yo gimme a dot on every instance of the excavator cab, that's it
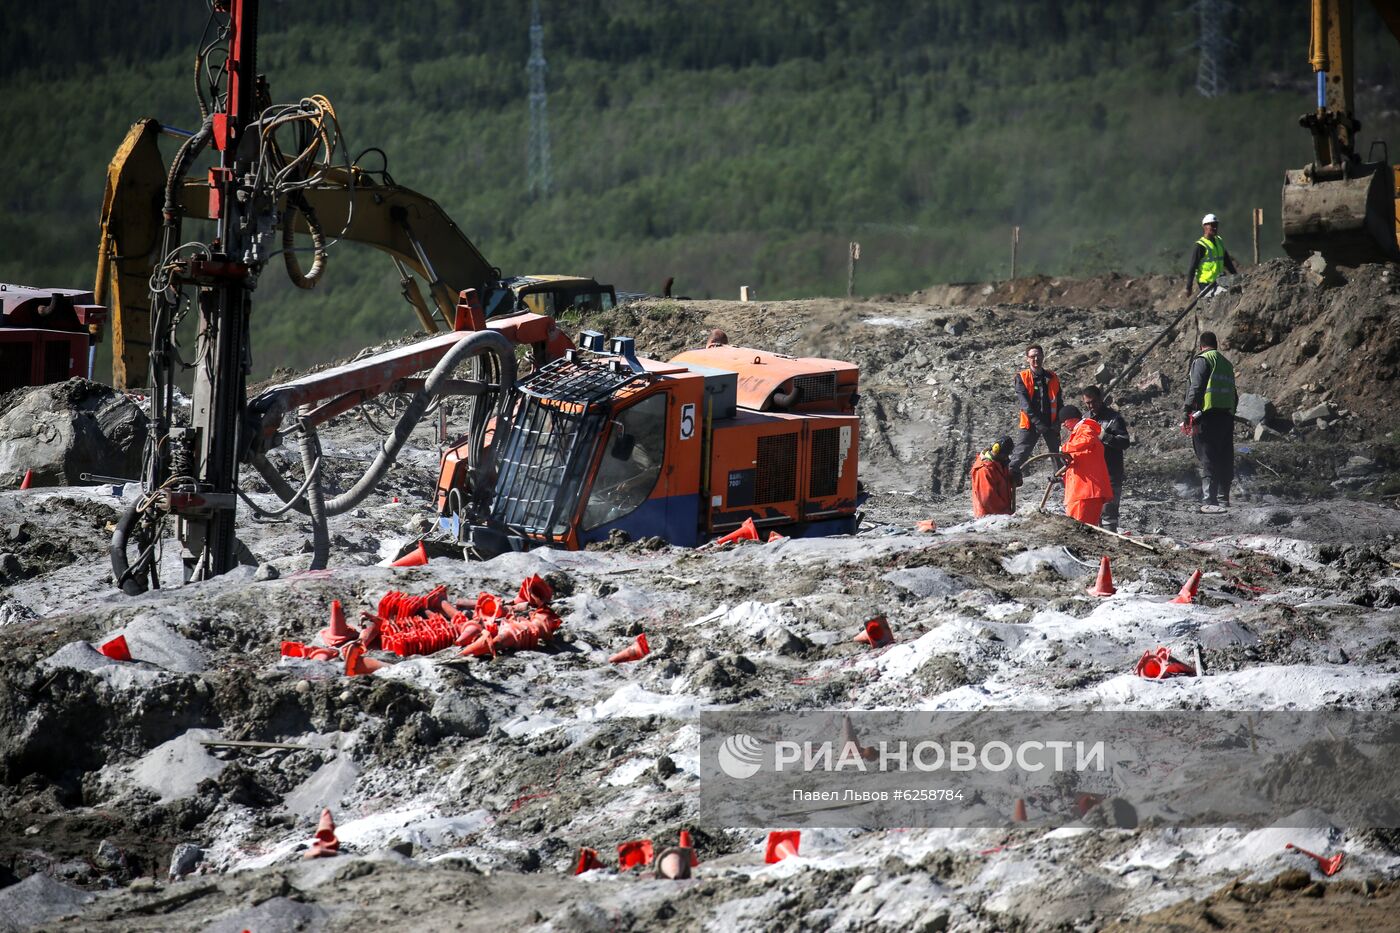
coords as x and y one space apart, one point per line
553 295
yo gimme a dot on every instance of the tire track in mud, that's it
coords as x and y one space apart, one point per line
881 423
943 476
964 462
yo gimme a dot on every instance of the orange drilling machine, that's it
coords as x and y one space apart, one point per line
601 440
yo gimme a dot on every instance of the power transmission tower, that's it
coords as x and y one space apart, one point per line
1212 46
538 175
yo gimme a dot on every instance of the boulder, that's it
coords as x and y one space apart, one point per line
65 429
1153 383
1256 409
185 859
1319 272
1358 467
1320 410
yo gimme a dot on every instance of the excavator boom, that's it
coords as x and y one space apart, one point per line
1340 205
348 204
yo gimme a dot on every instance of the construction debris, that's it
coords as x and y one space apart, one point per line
443 771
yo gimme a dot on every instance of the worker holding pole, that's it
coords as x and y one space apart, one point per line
1038 392
1116 440
1087 486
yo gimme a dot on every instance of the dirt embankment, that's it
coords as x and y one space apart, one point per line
937 366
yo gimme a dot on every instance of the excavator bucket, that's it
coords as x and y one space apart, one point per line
1349 218
131 224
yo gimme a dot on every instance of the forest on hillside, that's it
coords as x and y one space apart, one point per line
719 142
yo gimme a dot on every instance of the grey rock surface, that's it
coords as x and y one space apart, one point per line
63 430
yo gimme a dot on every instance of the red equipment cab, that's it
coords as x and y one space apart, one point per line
46 335
600 441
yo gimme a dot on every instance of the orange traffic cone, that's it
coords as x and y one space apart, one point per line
1018 815
1330 864
468 633
293 649
634 854
1155 665
686 843
774 536
324 842
1103 586
745 532
587 860
414 558
534 591
876 634
369 634
318 653
638 650
339 631
781 844
357 662
1188 590
28 479
1083 803
849 738
926 525
116 649
674 863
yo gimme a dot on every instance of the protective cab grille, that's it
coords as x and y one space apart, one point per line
826 463
820 387
777 469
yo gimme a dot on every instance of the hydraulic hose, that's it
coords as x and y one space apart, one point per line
121 568
315 502
485 342
184 157
297 202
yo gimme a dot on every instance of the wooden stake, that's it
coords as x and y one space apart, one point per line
1258 222
1015 244
851 270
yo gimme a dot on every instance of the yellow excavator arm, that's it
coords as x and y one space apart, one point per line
1341 205
348 204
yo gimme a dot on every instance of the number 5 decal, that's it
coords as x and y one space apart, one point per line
687 421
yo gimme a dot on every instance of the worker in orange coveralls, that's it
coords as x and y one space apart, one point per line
1087 486
993 492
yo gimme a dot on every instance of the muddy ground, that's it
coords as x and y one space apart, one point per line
463 788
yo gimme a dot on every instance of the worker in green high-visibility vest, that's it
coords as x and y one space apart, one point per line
1210 414
1209 260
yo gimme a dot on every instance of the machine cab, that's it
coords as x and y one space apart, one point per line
593 443
552 295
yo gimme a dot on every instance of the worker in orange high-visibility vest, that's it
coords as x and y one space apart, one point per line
1038 391
1087 484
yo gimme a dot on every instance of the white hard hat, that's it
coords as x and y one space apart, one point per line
1208 219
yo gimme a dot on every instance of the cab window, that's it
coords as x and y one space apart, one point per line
631 462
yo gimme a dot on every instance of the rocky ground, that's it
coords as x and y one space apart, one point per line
463 788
